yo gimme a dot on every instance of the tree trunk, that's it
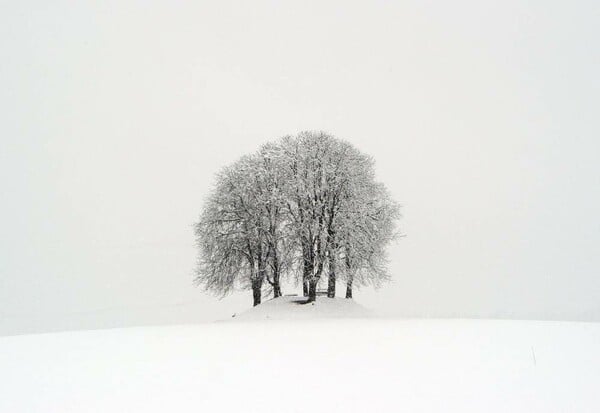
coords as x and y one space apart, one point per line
331 281
349 287
305 277
276 286
277 290
314 281
307 270
312 290
258 281
349 274
256 291
276 283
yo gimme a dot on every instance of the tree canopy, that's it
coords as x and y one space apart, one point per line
300 208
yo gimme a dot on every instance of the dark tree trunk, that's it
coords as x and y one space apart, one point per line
276 285
306 277
312 290
307 271
349 288
332 245
314 281
307 268
331 281
350 274
258 281
256 291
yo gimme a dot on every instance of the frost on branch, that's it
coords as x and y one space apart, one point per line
304 208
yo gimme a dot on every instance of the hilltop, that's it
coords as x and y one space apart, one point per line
292 307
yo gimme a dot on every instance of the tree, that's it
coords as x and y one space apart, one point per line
271 202
367 227
303 205
310 175
230 235
330 186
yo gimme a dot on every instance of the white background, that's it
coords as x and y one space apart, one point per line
115 116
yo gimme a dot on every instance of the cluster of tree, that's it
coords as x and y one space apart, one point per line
303 208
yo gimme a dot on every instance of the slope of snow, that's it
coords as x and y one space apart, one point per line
297 308
329 364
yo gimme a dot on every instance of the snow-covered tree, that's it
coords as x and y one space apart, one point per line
230 234
306 205
270 199
310 176
242 233
366 227
335 207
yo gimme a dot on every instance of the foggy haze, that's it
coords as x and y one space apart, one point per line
482 119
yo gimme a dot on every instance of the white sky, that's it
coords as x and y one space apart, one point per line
483 119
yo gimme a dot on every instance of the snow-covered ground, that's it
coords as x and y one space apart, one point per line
318 364
297 308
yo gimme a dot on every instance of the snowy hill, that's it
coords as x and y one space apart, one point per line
329 364
297 308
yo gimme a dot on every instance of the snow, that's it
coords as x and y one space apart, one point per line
319 364
297 308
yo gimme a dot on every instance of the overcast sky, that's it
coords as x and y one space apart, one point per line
483 119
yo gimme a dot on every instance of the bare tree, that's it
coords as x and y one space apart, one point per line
309 185
303 205
330 186
230 236
271 201
367 226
